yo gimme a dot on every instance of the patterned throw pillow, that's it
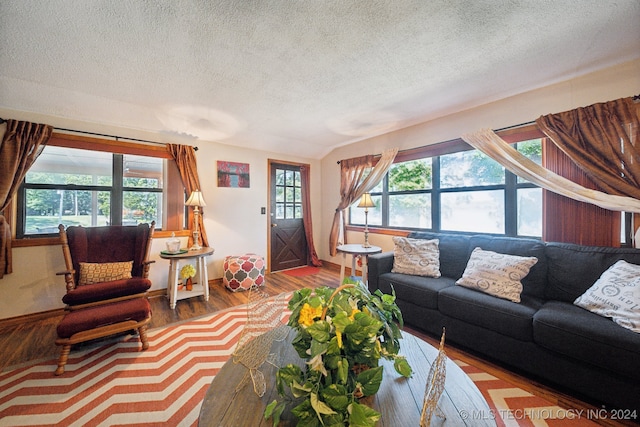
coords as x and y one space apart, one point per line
616 294
91 273
419 257
496 274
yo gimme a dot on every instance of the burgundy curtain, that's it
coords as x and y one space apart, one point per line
598 146
22 143
603 140
313 258
185 158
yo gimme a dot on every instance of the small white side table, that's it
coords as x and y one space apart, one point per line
201 287
355 250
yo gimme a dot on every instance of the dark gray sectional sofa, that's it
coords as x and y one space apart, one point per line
544 336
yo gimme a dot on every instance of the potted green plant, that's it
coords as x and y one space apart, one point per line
341 334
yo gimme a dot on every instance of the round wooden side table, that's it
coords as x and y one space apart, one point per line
356 250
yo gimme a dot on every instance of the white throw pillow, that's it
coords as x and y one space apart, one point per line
496 274
419 257
616 294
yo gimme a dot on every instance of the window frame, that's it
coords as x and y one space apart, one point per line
435 151
173 188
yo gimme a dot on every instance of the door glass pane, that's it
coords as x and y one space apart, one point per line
288 194
530 212
60 165
469 169
48 208
476 211
411 210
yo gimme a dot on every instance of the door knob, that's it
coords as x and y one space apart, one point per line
274 225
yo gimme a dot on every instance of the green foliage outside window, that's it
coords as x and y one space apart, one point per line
464 178
413 175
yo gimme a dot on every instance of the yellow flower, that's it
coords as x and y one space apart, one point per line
353 314
339 338
187 271
308 314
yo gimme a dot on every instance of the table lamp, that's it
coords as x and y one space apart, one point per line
366 203
196 200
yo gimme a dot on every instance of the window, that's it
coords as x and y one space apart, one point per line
80 186
457 190
288 194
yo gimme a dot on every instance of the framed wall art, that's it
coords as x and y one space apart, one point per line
232 174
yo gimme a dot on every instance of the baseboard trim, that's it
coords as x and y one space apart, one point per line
41 315
26 318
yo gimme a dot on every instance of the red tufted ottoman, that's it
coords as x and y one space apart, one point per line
242 272
100 321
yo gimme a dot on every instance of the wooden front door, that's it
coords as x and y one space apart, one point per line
288 241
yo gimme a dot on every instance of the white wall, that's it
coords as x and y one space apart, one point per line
232 220
232 216
613 83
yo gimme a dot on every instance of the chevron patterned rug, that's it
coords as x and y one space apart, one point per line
113 383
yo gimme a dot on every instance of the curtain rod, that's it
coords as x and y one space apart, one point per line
117 138
496 130
635 98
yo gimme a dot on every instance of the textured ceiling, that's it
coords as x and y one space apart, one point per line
295 76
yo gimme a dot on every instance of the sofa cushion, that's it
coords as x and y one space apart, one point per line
454 251
496 314
416 256
582 335
574 268
91 273
616 294
419 290
535 282
496 274
106 290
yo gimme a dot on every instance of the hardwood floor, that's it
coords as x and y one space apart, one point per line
34 340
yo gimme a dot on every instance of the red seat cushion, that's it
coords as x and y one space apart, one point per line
106 290
86 319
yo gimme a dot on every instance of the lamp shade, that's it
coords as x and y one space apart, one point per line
195 199
366 202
